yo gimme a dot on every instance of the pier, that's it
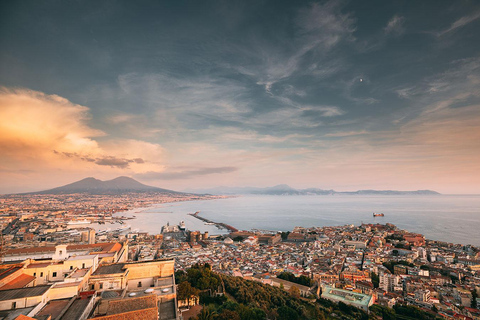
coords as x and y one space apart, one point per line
219 225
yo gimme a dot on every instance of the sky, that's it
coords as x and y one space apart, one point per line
342 95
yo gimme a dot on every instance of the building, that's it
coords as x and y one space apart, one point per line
108 252
358 300
390 282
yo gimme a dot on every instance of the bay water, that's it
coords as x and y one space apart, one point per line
450 218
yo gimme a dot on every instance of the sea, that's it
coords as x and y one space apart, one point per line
450 218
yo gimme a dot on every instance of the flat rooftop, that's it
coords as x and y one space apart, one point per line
53 308
110 269
82 257
346 296
167 310
23 293
76 309
79 273
13 314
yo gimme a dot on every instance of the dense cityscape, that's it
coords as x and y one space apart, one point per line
56 263
239 160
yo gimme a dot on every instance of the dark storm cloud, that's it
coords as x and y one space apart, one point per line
111 161
186 174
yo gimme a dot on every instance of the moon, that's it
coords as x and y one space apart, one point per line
361 80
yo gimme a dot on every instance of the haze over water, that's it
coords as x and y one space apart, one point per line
451 218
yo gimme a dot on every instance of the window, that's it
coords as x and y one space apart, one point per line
139 284
41 274
101 285
14 305
34 274
71 267
54 274
93 287
83 265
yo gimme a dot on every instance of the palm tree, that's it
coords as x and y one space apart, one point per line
206 314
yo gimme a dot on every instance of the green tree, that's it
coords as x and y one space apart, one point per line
185 291
473 304
180 276
294 291
207 314
228 315
375 279
287 313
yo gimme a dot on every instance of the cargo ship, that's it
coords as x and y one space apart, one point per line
378 214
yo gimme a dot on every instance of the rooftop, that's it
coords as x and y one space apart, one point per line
19 282
76 309
110 269
53 308
81 257
346 296
23 293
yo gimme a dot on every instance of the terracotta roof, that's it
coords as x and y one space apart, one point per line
22 317
107 246
29 250
38 265
143 314
19 282
132 304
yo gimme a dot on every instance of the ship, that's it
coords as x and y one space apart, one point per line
181 225
378 214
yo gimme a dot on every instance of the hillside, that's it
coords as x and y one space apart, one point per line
115 186
284 189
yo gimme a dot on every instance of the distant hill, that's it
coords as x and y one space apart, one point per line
284 189
115 186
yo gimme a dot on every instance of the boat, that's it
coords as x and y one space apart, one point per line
181 225
378 214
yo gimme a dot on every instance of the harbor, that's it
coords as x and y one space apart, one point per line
219 225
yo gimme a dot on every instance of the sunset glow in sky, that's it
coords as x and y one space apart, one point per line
342 95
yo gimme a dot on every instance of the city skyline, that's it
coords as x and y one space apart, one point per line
330 94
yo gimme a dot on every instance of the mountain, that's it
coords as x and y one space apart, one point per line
284 189
115 186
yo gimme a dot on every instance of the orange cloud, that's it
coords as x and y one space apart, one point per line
48 133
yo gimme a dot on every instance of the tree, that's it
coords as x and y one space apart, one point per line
287 313
207 314
474 299
185 291
228 315
180 276
294 291
375 279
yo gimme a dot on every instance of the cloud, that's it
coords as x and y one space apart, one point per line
395 25
463 21
113 162
186 174
33 124
318 29
49 132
